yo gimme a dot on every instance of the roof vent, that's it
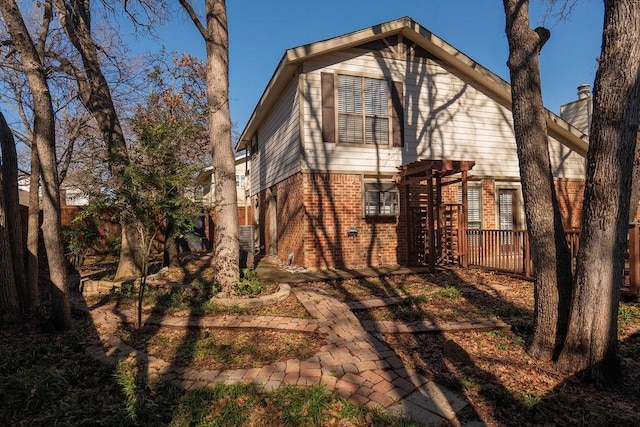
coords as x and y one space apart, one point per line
584 91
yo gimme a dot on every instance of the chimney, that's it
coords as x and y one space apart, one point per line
584 91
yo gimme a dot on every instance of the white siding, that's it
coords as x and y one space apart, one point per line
445 118
278 155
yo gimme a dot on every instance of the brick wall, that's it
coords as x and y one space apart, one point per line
333 205
570 197
290 218
489 204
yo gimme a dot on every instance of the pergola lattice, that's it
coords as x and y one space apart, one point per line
432 172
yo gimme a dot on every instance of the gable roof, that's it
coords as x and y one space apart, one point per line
487 81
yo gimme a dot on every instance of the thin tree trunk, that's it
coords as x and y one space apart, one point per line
12 210
592 341
171 256
44 131
33 234
549 248
226 246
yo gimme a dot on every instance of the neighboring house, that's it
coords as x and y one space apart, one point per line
205 181
69 195
340 117
206 187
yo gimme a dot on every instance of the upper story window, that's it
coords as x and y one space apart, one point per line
239 180
363 110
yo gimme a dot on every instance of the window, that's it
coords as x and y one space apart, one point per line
474 206
381 199
507 208
363 110
240 180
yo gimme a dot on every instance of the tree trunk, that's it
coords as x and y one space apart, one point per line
549 248
96 95
226 248
592 342
44 131
12 210
171 256
131 254
33 234
9 304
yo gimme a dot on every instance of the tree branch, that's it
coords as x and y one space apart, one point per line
44 30
543 34
194 17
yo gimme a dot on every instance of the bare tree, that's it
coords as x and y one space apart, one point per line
226 249
44 132
550 251
93 87
592 340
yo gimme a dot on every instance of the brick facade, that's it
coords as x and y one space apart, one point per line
315 211
333 206
286 228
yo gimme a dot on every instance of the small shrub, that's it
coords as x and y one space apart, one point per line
249 284
628 314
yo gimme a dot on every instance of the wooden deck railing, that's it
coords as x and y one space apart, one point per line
509 251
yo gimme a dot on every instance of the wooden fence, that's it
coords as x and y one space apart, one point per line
509 251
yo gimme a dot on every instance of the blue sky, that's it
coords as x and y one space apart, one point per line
260 31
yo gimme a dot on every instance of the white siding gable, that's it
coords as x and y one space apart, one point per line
444 117
278 155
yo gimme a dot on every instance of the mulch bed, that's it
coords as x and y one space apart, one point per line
219 349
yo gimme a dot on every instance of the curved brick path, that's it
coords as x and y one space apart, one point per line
354 364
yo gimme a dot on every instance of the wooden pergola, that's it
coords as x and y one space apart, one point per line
433 172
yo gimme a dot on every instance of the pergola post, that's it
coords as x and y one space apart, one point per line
406 224
431 224
464 222
439 232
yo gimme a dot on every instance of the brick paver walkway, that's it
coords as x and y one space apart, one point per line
353 364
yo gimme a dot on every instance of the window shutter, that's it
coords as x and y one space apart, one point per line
328 108
397 101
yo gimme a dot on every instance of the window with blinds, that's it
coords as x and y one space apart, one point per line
474 206
506 199
381 199
363 110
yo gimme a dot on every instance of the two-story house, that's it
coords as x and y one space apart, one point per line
342 119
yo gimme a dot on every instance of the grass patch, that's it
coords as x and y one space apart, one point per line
449 292
628 314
